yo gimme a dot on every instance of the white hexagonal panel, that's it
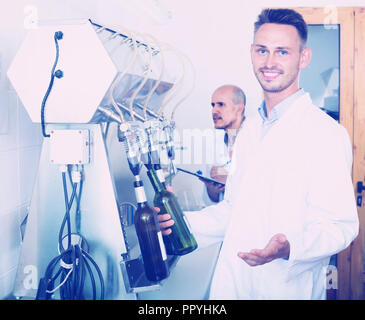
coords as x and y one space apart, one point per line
88 72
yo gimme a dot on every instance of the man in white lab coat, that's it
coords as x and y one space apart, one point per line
228 106
289 202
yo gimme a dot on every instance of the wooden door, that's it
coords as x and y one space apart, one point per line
357 278
351 23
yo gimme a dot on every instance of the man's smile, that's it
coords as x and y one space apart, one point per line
269 74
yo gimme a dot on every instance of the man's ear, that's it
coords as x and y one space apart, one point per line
240 108
305 58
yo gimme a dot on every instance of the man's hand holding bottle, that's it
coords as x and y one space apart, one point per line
165 220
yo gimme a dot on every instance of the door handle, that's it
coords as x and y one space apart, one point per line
359 201
360 187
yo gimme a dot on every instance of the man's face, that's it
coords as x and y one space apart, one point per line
277 58
226 115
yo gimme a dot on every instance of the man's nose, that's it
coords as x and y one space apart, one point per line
270 61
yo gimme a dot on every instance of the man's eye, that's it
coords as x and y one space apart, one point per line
261 51
283 52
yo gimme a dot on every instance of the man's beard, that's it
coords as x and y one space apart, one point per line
223 126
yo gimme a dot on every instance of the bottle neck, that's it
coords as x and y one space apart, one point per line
155 181
160 175
140 193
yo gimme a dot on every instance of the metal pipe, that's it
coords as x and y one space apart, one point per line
134 113
153 114
154 51
110 114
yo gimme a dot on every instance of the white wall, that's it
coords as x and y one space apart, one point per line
215 34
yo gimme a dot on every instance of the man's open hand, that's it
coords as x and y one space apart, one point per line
278 247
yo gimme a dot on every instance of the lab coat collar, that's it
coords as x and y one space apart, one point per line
280 108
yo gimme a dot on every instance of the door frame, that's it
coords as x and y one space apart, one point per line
344 17
357 253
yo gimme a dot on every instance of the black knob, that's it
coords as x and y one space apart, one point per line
58 74
58 35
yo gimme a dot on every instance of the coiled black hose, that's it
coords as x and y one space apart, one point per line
69 271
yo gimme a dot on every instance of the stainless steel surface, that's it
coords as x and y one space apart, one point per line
123 94
100 222
135 278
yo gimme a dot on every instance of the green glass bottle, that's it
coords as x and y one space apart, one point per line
180 241
149 237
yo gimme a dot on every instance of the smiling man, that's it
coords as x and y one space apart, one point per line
278 54
289 202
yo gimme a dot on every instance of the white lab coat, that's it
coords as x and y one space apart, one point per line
295 181
221 159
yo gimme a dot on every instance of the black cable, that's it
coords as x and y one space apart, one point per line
73 273
66 219
92 279
74 264
57 36
99 274
78 211
80 275
78 201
